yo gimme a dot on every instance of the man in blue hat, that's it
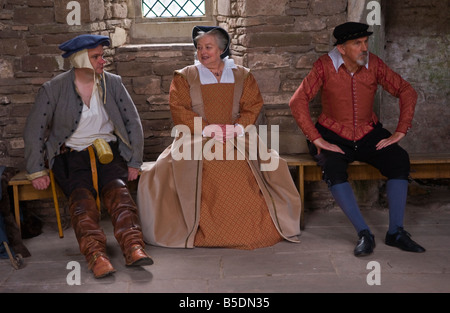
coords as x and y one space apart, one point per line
85 127
348 130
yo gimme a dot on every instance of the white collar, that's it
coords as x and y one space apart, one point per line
206 77
337 59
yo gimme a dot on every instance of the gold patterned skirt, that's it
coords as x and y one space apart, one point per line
233 211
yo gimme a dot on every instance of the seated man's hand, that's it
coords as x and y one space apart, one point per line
41 183
133 173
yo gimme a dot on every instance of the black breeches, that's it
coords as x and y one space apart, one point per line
392 161
72 170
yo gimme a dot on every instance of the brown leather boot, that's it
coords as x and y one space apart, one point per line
100 265
91 238
127 228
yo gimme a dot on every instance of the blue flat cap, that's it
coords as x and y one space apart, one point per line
82 42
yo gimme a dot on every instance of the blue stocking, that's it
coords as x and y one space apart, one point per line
396 191
343 194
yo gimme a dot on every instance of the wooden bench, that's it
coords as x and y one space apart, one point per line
423 166
24 191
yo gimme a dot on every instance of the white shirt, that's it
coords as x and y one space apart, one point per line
94 123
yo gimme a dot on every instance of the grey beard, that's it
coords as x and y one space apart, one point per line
363 61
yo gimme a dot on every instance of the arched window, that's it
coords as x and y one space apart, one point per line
168 21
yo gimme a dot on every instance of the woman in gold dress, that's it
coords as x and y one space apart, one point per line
221 201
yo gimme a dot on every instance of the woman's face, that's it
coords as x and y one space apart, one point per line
208 51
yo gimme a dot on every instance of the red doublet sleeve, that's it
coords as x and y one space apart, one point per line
251 102
299 102
398 87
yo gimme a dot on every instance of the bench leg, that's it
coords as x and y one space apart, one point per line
16 205
56 203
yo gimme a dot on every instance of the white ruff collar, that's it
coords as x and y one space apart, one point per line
206 77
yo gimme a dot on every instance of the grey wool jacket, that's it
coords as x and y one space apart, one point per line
57 111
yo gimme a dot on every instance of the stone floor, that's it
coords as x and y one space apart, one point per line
322 263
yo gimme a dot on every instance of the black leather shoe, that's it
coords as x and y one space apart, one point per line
401 239
366 243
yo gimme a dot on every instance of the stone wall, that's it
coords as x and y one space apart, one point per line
147 72
30 33
418 47
279 40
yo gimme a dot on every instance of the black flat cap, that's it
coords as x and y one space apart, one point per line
82 42
206 29
349 31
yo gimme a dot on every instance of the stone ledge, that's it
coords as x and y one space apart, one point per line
154 46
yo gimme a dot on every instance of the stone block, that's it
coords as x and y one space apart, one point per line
167 68
12 130
33 15
313 24
3 152
277 39
6 14
146 85
96 10
42 50
279 98
157 125
133 69
119 10
21 99
268 80
4 111
306 61
40 3
17 144
156 115
16 152
158 100
287 123
261 7
37 63
265 61
328 7
119 37
224 7
6 68
292 143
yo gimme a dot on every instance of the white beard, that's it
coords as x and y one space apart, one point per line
364 61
